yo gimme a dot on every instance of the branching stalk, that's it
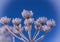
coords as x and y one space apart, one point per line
41 38
15 35
13 39
22 35
29 33
36 36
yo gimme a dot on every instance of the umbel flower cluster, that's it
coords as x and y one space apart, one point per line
40 24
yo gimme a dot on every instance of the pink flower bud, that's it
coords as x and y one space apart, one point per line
42 19
5 20
16 21
38 26
50 23
29 21
27 14
46 28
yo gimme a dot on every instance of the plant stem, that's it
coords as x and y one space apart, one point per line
22 35
36 35
41 38
29 33
13 39
14 34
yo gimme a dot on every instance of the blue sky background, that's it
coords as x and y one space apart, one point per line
40 8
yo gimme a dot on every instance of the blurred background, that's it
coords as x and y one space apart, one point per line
47 8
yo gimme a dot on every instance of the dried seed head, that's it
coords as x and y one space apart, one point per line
29 21
51 23
27 14
5 20
16 21
46 28
42 20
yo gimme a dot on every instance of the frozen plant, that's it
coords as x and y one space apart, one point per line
41 24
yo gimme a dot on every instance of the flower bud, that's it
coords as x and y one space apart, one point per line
38 26
29 21
27 14
46 28
16 21
42 20
50 23
5 20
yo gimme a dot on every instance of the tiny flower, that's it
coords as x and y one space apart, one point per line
38 26
46 28
29 21
50 23
42 20
27 14
5 20
16 21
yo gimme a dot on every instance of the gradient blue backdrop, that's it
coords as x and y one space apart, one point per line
39 7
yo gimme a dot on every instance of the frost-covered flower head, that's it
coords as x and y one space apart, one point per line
46 28
5 20
27 14
16 21
38 25
42 19
50 23
29 21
